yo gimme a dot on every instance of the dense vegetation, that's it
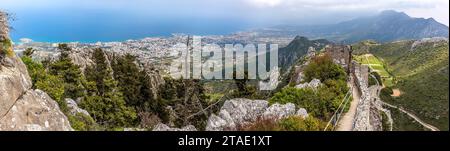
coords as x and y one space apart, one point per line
188 101
296 49
55 87
103 100
322 102
114 101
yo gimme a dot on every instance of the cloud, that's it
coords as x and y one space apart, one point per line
275 10
264 3
25 40
437 9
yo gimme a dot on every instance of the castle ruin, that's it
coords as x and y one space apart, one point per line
341 54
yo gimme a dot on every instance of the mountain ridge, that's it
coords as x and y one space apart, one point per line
387 26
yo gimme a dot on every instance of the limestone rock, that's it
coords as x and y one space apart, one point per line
236 112
216 123
302 113
14 82
244 110
271 83
35 111
277 111
164 127
74 109
312 84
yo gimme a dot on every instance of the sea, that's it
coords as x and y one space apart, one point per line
97 27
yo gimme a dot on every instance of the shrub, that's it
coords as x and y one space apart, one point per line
292 123
374 81
296 123
82 122
54 85
261 124
51 84
320 103
385 94
323 68
6 48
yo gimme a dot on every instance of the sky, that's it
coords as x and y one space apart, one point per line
134 18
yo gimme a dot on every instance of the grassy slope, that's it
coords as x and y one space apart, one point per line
422 76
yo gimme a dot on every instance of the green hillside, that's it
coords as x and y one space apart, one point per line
421 74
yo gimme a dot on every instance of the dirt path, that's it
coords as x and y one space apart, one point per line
396 92
346 122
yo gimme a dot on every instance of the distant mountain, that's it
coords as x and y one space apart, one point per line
384 27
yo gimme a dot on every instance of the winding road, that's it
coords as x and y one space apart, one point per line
426 125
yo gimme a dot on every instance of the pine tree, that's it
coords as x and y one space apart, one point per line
127 73
70 72
104 101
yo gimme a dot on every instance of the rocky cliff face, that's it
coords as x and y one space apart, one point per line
22 108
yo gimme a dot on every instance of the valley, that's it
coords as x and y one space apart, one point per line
418 79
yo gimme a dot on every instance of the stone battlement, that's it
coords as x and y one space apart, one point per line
341 54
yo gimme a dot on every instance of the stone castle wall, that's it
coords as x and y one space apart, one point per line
368 117
362 117
341 54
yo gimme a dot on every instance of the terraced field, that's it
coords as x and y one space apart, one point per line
376 65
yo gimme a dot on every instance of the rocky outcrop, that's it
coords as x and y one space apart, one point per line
273 80
242 111
22 108
314 84
164 127
278 111
35 111
302 113
14 82
74 109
